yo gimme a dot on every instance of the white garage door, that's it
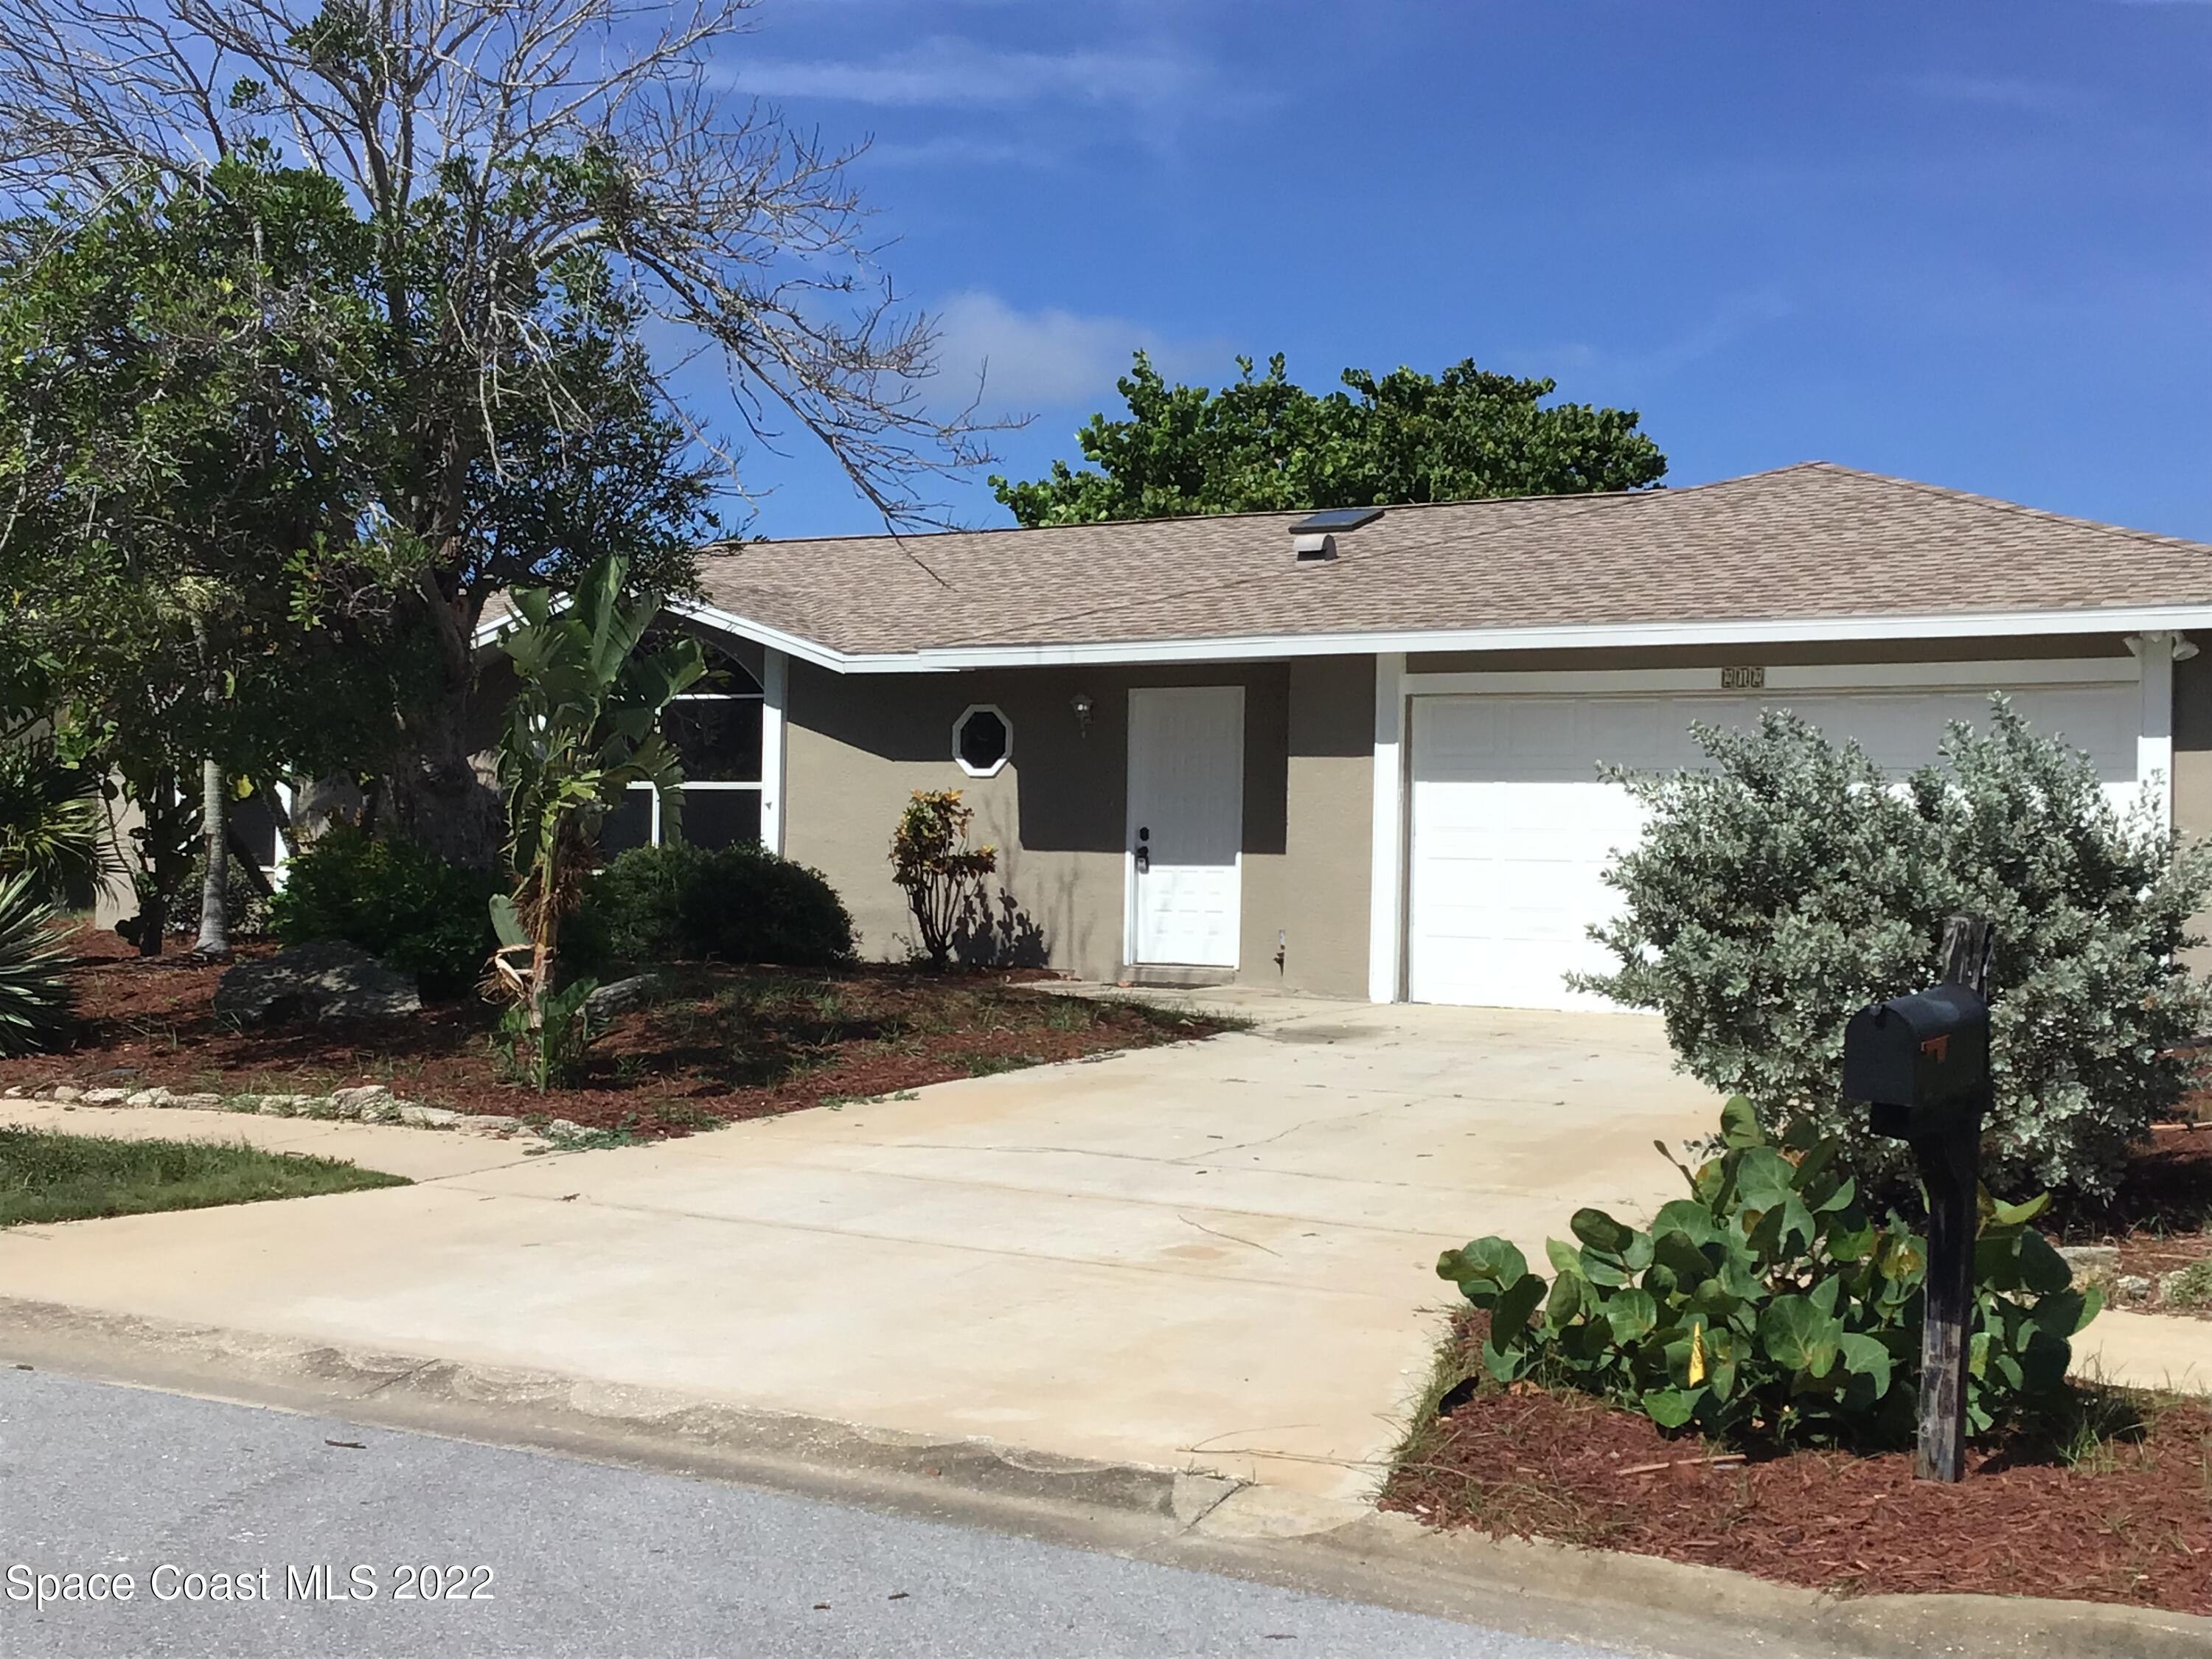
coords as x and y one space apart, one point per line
1512 831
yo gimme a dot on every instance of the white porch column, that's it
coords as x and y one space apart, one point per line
1387 875
2156 653
775 681
282 854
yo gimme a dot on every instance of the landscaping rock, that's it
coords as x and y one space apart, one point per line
619 998
67 1092
153 1096
426 1117
2088 1261
106 1096
365 1100
323 980
196 1102
2133 1287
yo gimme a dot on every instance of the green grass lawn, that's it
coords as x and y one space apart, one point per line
46 1176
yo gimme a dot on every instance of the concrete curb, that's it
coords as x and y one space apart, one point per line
1186 1518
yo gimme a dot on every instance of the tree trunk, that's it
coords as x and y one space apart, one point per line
318 803
448 803
445 796
214 839
164 854
151 922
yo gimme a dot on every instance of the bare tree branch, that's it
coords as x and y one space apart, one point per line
519 133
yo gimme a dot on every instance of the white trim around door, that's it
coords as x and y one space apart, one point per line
1385 892
1183 860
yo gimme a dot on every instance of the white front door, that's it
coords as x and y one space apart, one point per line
1186 823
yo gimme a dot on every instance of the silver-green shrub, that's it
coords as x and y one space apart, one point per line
1792 882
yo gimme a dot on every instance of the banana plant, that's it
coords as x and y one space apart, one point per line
583 727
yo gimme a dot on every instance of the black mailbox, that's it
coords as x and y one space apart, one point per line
1920 1062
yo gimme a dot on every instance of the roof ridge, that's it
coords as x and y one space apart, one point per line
1652 491
1951 492
1260 571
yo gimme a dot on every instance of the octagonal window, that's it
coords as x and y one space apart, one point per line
983 740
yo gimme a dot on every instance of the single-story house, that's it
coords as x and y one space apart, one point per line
1355 752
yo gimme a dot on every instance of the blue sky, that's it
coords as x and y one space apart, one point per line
1970 243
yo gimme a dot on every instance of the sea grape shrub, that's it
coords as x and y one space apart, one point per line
1769 1307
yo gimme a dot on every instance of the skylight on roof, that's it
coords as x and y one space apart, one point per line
1336 518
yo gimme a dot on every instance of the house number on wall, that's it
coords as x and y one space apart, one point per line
1743 679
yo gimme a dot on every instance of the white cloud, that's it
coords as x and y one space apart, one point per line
947 72
2000 92
1051 358
1631 372
952 150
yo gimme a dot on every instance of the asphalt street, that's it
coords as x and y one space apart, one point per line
330 1539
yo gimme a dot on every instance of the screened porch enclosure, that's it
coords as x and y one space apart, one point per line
716 730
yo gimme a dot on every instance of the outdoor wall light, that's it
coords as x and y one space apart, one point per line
1080 703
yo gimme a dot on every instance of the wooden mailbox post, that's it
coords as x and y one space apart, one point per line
1921 1064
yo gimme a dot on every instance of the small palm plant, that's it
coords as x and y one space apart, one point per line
33 994
52 824
584 728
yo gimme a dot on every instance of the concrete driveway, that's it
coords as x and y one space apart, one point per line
1218 1255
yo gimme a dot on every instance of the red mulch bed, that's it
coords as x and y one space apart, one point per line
2161 1217
2132 1524
726 1043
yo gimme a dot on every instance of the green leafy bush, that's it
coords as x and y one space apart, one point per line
739 903
34 994
1777 893
551 1053
940 872
404 905
1768 1307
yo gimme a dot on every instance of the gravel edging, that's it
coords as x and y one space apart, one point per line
369 1102
1185 1517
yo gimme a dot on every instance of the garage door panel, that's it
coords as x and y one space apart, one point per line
1512 831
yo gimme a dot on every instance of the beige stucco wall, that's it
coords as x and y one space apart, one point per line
2192 744
2193 769
857 746
1331 824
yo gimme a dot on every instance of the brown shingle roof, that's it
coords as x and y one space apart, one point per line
1805 542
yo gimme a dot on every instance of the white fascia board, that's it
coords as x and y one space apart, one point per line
1564 636
776 639
1993 672
1255 648
744 627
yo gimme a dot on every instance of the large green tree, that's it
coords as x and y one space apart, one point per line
1263 444
546 185
185 538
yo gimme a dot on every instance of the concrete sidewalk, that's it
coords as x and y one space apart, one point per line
1215 1256
418 1154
